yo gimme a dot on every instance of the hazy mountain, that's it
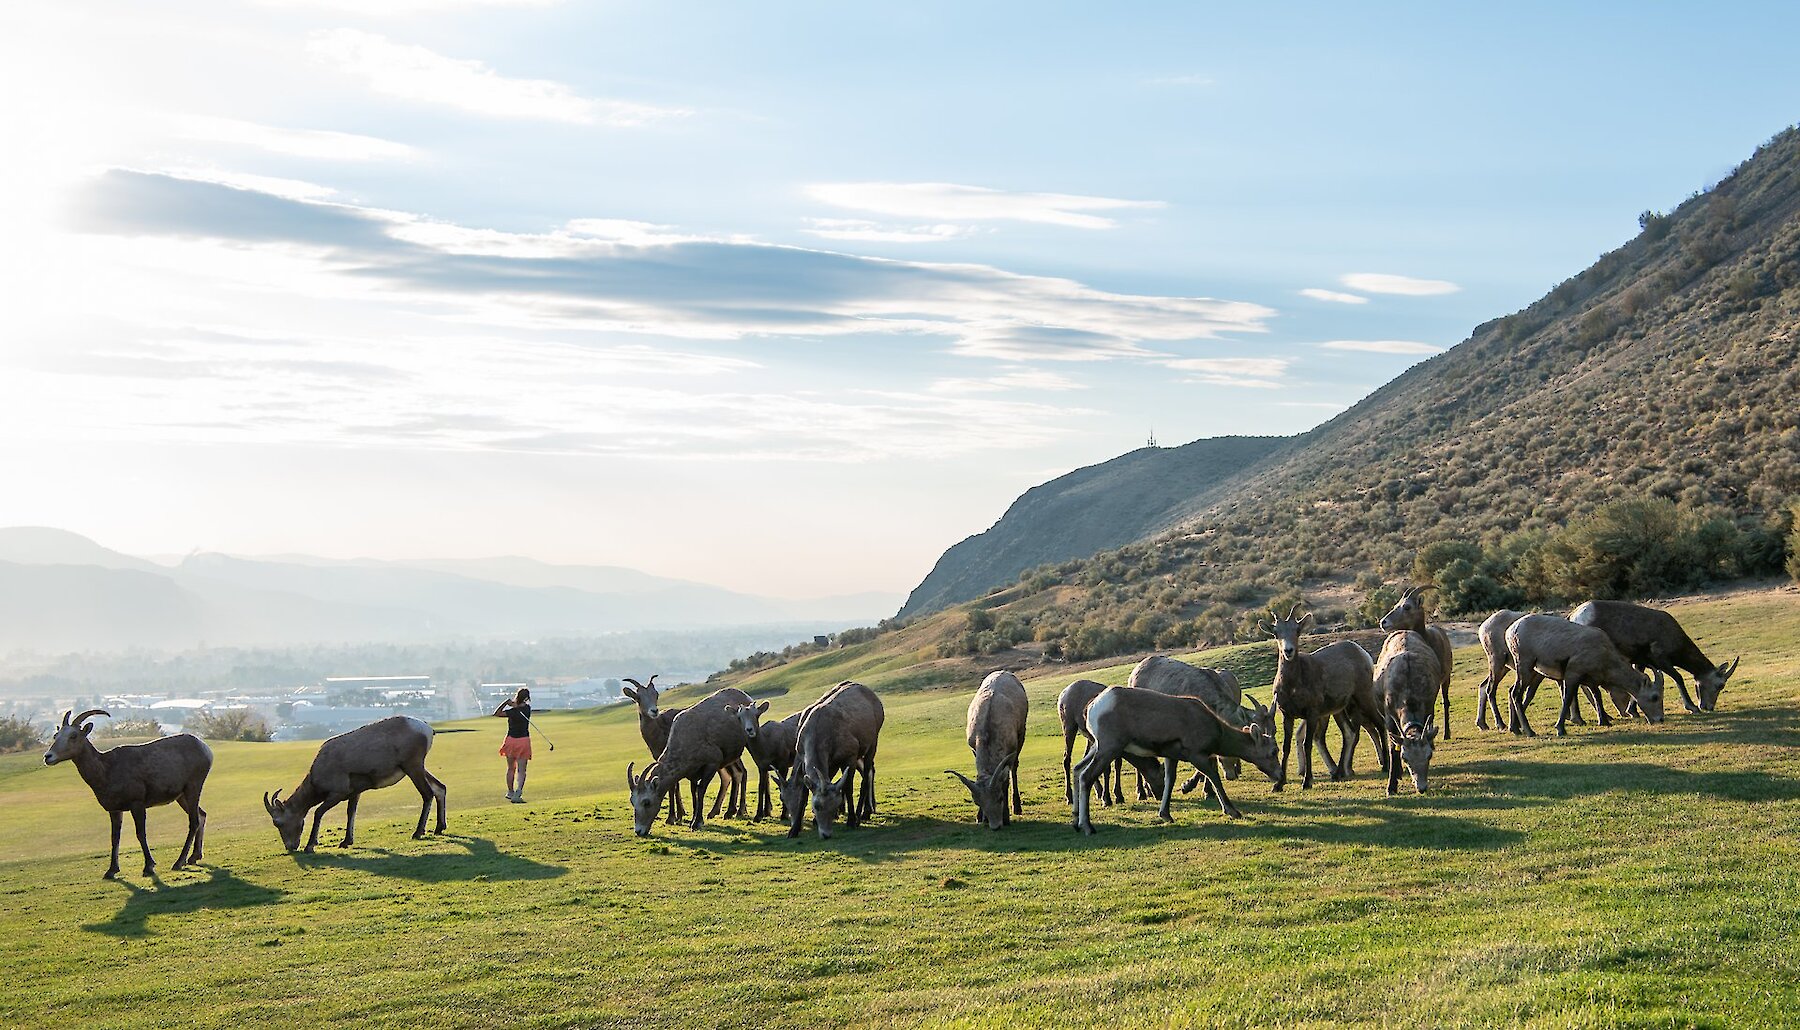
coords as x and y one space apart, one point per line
1088 510
60 591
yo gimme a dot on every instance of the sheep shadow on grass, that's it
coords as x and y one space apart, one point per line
220 890
482 860
1529 781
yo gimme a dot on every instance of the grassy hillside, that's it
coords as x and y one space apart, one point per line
1665 373
1640 876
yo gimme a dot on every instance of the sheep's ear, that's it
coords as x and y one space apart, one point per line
87 728
630 693
1431 731
762 708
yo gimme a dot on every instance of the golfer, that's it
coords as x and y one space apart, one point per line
517 746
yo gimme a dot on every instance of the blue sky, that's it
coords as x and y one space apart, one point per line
787 297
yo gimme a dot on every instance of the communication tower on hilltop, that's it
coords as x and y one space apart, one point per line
1152 441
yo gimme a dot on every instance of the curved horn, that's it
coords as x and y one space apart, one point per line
1292 610
630 784
635 683
277 798
1732 668
85 716
966 781
268 806
653 676
67 716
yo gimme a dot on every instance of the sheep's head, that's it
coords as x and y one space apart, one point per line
646 695
289 819
1262 750
647 794
991 793
792 789
747 715
1286 631
1407 613
72 735
1415 743
1648 693
1711 682
827 799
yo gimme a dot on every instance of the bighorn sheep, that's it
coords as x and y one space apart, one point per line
771 747
996 733
366 758
1071 707
838 733
654 723
1131 720
1576 656
1406 679
1652 639
1313 688
1499 663
1217 687
1409 613
704 741
136 777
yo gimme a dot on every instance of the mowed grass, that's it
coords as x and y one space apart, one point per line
1637 876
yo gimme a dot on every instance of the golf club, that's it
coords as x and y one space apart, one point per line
541 733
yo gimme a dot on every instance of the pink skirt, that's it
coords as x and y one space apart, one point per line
517 747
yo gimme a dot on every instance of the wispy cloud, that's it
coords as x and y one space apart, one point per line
319 144
1333 296
949 202
1028 379
665 283
865 231
1383 346
1401 285
1257 373
414 73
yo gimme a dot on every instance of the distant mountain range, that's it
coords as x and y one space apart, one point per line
60 591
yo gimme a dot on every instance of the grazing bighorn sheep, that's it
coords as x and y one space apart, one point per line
654 723
1576 656
1652 639
1407 678
1071 707
1217 687
136 777
366 758
1313 688
704 741
838 733
1409 613
996 732
1131 720
771 747
1499 663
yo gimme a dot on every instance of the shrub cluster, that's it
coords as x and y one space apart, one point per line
230 724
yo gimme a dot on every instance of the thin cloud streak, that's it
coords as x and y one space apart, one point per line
409 72
1333 296
318 144
950 202
1398 285
1383 346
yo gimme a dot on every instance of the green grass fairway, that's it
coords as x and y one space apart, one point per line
1637 876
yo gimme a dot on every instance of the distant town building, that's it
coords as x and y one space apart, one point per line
821 640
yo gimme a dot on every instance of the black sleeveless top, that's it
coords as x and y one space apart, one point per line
517 724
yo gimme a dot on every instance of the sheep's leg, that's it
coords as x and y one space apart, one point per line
698 786
1483 694
1594 698
1306 750
1086 774
1521 697
724 790
327 805
1068 749
441 794
1168 790
1209 770
186 801
1018 805
1571 692
1116 777
1321 728
426 794
1687 700
1393 767
350 821
118 820
137 819
868 784
1445 689
1287 744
